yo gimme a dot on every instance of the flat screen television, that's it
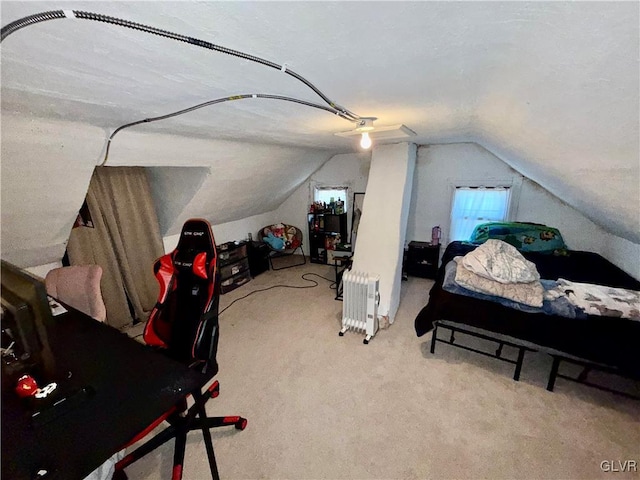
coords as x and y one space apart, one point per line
332 224
25 318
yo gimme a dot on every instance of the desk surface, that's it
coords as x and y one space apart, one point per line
133 386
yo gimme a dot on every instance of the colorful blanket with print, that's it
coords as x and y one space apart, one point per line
600 300
526 237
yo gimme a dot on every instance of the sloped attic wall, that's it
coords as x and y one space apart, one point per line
47 165
244 178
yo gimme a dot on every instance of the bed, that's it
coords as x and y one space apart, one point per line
600 342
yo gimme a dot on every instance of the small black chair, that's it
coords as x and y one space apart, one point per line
184 325
288 236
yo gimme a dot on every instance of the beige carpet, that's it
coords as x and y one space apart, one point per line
324 406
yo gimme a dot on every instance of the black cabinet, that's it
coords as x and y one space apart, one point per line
422 259
258 257
233 264
326 230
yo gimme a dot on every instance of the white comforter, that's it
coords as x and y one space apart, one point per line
499 269
497 260
525 293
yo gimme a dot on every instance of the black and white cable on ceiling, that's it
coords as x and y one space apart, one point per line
332 107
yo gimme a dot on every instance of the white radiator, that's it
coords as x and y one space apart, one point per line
360 303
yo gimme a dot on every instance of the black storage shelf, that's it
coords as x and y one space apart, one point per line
422 259
233 264
324 228
258 258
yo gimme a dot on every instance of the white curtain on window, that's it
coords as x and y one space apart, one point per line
473 206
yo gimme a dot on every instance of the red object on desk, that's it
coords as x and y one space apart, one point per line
26 387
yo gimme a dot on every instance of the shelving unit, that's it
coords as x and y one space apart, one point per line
325 231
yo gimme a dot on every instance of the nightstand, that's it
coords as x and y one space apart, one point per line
422 259
258 257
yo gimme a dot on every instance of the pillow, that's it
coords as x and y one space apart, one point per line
526 237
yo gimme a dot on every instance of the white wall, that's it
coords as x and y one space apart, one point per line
46 169
350 170
539 205
623 253
231 231
172 188
440 167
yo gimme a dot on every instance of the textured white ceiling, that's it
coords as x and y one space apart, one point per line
551 87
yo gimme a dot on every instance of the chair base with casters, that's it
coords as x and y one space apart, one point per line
182 420
283 241
184 325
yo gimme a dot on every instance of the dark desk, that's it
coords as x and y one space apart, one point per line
133 386
340 264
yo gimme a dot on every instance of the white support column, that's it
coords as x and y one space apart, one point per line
381 233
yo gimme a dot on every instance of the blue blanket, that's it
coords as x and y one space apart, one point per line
276 243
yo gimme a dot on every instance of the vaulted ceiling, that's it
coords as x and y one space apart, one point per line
550 87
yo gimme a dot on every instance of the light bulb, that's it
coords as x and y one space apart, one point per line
365 141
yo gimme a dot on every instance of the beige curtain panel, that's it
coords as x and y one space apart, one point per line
125 242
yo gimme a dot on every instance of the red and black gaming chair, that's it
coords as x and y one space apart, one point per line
184 324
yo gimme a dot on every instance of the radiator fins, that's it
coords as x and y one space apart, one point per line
360 303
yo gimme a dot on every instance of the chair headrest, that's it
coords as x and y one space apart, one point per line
196 236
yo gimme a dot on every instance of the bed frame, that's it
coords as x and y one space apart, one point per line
604 344
453 328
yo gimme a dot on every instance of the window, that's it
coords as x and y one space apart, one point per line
475 205
325 194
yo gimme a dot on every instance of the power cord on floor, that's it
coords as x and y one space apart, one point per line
315 284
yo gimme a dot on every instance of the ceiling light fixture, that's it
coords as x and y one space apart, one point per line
365 141
364 126
368 132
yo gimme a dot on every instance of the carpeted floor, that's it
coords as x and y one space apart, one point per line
327 407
